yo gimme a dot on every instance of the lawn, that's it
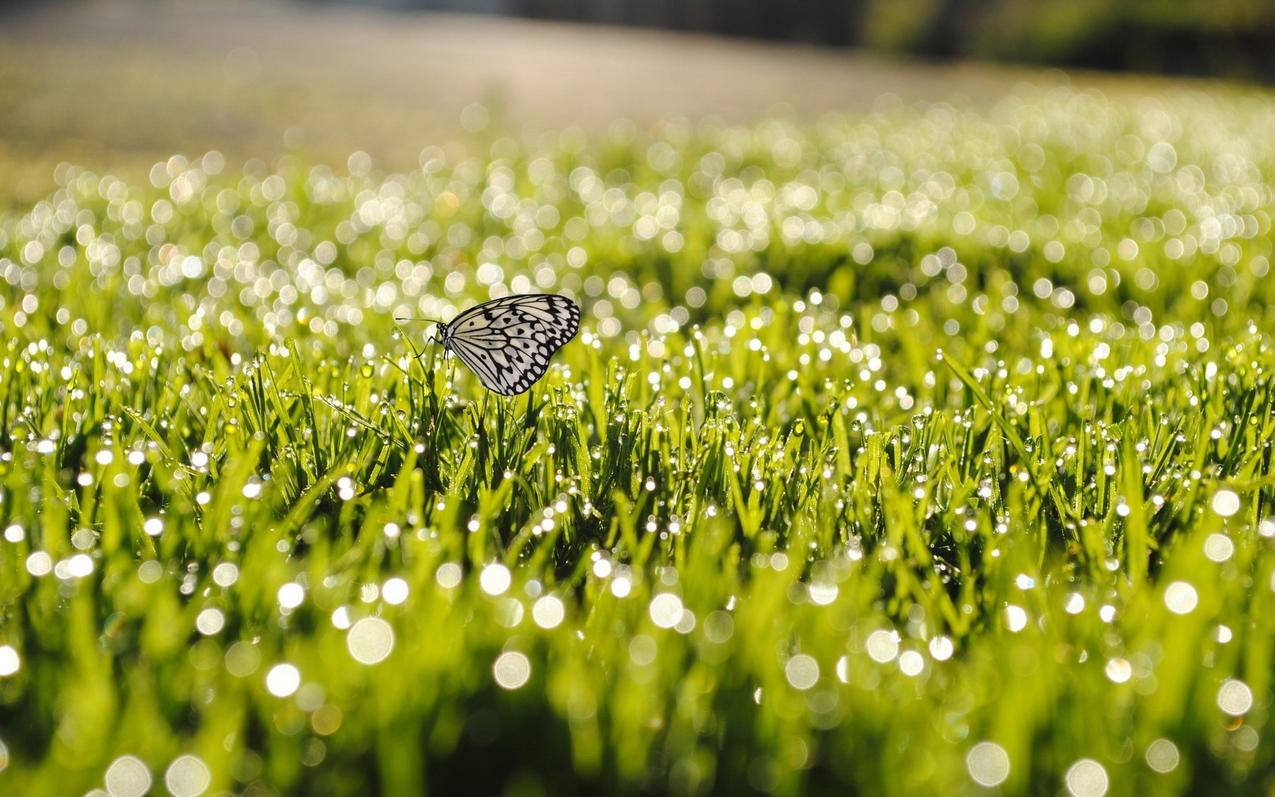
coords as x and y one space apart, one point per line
921 451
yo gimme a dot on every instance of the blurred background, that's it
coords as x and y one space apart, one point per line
1231 37
123 83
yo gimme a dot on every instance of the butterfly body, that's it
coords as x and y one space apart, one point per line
507 342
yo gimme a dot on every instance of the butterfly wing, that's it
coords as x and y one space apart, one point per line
507 342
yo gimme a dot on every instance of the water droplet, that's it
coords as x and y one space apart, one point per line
10 661
802 671
1162 756
187 776
283 680
494 579
666 610
548 612
370 640
127 776
1226 503
1181 597
1234 697
988 764
512 670
1086 778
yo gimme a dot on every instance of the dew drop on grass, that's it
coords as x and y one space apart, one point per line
395 591
511 670
1226 503
685 623
1218 548
326 720
642 650
883 646
548 612
448 575
225 574
39 564
494 579
1181 598
941 648
283 680
1086 778
1162 756
242 659
291 595
665 610
823 593
187 776
1015 618
10 661
370 640
210 621
1245 738
719 627
911 663
127 776
802 671
77 566
1119 670
1234 697
988 764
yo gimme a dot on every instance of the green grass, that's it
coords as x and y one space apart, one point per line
942 428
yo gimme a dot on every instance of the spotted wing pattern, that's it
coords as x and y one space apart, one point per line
507 342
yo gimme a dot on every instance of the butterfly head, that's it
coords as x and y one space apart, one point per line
441 334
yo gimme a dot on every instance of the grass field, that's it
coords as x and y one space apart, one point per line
925 451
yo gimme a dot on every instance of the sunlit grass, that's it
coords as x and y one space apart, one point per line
913 454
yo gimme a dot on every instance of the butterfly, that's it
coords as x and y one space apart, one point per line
507 342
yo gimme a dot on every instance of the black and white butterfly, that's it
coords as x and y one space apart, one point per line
507 342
